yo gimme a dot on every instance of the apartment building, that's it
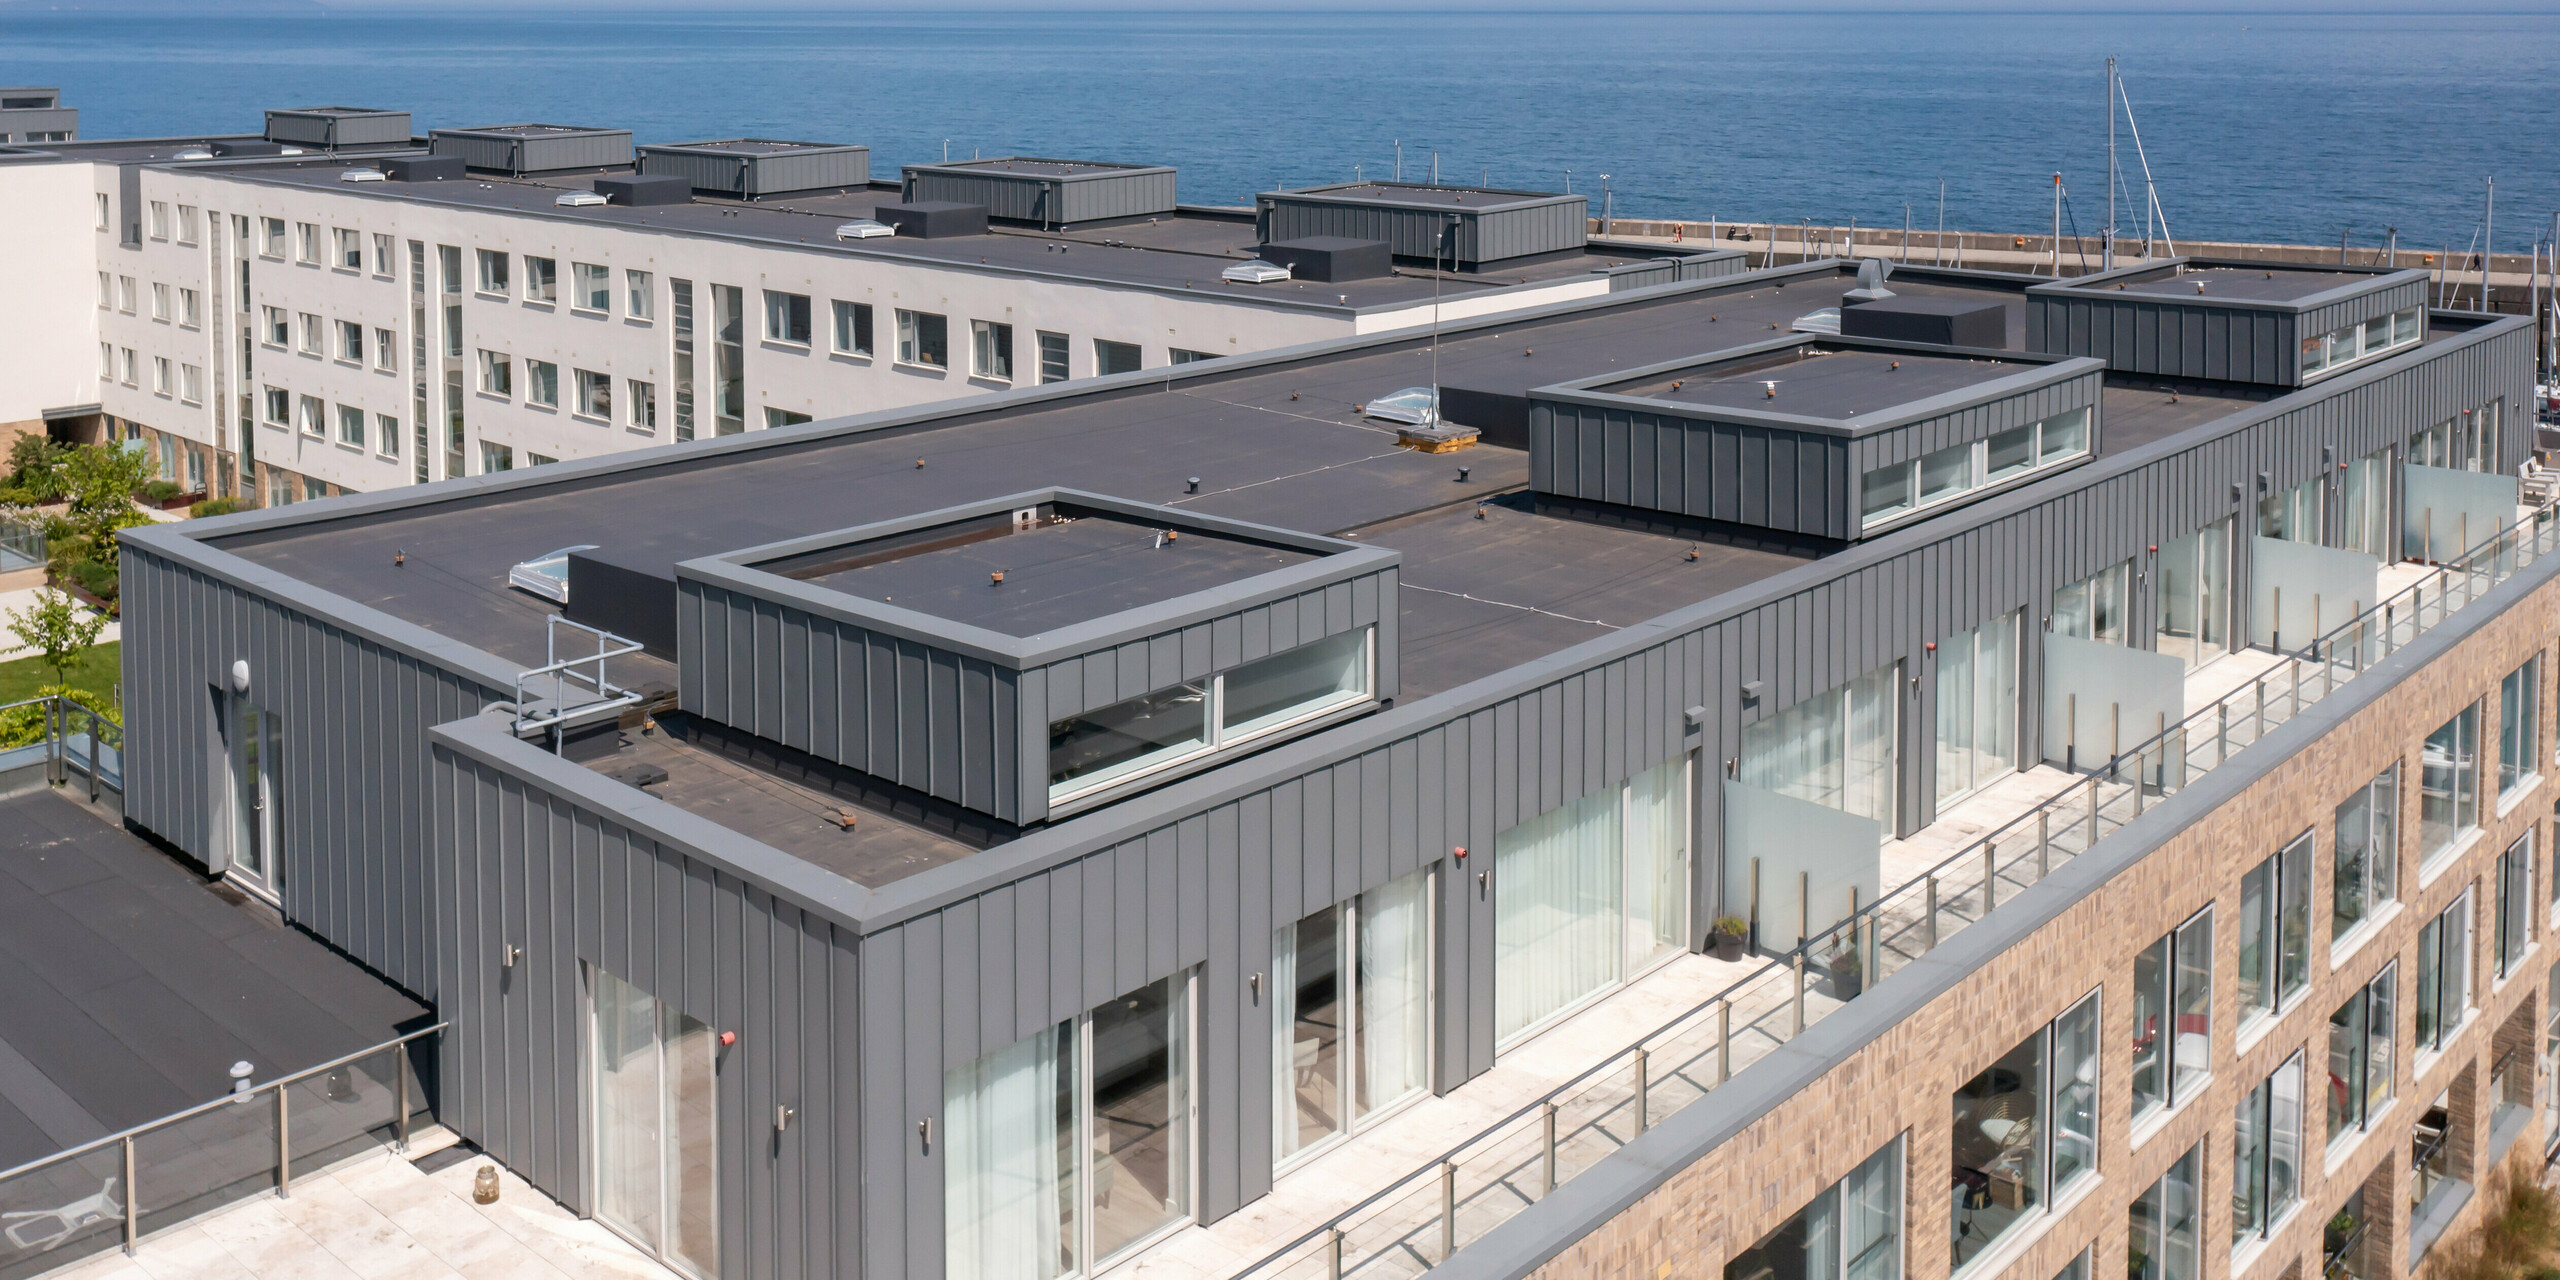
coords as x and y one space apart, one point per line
335 305
1181 823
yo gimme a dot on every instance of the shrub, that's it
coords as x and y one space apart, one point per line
216 507
162 490
24 726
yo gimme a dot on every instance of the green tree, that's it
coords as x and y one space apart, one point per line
36 468
56 628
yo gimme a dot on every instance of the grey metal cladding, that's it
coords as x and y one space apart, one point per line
528 863
1095 193
962 714
2219 338
1800 476
1646 272
747 174
534 148
338 127
1536 223
353 712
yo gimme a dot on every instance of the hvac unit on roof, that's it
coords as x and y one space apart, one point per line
578 199
362 175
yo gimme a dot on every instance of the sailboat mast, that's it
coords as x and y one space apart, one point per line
2107 250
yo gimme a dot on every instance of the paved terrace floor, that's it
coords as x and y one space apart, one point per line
128 985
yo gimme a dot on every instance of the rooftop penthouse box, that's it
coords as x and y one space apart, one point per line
2230 320
534 148
1026 656
1470 228
1047 192
745 168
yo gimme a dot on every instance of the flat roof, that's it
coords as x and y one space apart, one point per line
129 985
337 111
527 130
1038 167
1176 252
797 812
751 146
1822 381
2271 283
1077 567
1422 195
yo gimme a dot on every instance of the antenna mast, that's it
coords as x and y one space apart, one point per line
2107 245
2151 210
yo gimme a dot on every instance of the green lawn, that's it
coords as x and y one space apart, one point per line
97 669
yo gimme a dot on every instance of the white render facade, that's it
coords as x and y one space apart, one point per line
267 323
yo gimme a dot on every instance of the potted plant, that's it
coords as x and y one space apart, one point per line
1730 935
1844 972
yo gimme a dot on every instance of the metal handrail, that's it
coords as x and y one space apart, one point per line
123 1143
563 671
1863 926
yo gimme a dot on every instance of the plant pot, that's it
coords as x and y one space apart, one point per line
1844 985
1728 946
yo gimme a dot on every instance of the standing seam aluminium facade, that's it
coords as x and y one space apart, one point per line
908 981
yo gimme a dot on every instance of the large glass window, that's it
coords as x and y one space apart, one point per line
728 360
2360 1056
853 328
2173 1015
1977 706
2295 514
2275 930
1064 1149
2368 502
680 310
1587 895
2343 1241
1852 1231
2515 903
1289 686
2195 594
2550 1075
991 350
924 339
1350 1005
2095 608
2519 728
2326 353
2024 1130
656 1101
541 279
591 287
2266 1154
2443 974
2366 848
2449 785
1836 748
1889 492
786 317
1097 747
2161 1225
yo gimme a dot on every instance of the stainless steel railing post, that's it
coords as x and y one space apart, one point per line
1724 1041
399 1100
1644 1072
1990 875
1448 1209
1548 1121
1333 1253
2044 843
1795 969
132 1202
1930 911
284 1144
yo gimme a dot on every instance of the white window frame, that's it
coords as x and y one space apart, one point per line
1215 738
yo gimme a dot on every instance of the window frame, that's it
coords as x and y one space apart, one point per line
1216 736
2377 995
542 383
497 374
911 339
787 318
588 281
594 394
2376 858
991 350
541 280
2176 1081
850 333
641 401
2282 903
2462 794
2047 1186
2519 731
2513 937
496 278
2259 1131
2443 968
639 295
351 425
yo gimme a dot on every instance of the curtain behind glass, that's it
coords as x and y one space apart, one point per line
1977 706
630 1120
1393 991
1657 862
1556 910
1007 1151
2075 1093
1871 1217
1835 748
1284 1057
1869 774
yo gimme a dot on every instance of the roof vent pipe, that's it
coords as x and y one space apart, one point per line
1870 283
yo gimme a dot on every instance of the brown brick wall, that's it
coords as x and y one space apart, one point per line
1902 1082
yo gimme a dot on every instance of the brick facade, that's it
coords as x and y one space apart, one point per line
1901 1082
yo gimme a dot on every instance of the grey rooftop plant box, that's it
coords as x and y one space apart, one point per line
1491 225
1777 437
338 127
911 661
745 168
1049 193
534 148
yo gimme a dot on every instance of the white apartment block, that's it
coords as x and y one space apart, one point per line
332 306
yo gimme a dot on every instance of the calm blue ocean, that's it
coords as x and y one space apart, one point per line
2290 127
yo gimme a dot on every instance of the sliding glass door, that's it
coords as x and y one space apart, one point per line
654 1099
2195 595
1589 894
1835 748
1069 1147
1350 1005
1978 707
